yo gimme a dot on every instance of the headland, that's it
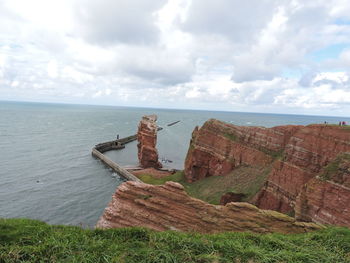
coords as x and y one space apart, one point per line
263 179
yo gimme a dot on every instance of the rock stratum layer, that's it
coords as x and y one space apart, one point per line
299 157
147 141
168 207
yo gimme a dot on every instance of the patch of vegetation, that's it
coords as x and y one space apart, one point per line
291 213
343 127
333 167
255 182
274 154
144 197
245 180
24 240
231 136
149 179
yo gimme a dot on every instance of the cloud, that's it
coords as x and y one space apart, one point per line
118 21
203 54
52 69
325 90
234 19
340 62
307 78
164 66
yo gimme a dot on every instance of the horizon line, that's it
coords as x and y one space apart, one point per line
161 108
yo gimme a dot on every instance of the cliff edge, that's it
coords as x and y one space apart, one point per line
169 207
299 157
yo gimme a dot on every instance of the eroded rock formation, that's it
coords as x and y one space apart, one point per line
147 140
217 147
168 207
326 198
298 155
231 197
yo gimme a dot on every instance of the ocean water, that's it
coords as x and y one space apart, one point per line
46 168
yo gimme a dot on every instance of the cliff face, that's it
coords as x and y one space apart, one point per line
297 155
326 198
147 138
168 207
217 147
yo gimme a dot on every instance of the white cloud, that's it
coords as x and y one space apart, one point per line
113 21
97 94
2 64
14 83
71 74
108 92
193 93
234 19
52 69
200 53
339 77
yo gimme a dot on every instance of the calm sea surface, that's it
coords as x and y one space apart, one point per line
46 168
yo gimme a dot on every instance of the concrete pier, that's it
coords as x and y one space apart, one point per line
118 144
116 167
115 145
100 148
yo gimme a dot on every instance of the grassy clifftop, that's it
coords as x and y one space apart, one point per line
23 240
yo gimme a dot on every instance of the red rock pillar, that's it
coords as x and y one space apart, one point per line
147 138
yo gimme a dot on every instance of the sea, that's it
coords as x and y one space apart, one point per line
46 168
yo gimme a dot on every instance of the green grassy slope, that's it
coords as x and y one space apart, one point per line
23 240
244 179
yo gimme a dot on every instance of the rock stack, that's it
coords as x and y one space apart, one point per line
147 138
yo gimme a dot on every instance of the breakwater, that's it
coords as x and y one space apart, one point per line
173 123
115 145
118 144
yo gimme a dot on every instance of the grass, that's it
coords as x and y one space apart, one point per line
274 154
245 180
24 240
231 136
333 167
149 179
343 127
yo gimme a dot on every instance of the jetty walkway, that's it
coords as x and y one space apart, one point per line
100 148
118 144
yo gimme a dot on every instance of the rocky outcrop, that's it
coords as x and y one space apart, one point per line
168 207
217 147
305 158
297 156
326 198
147 140
231 197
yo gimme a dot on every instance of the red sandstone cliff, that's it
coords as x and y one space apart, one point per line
217 147
297 155
168 207
147 138
326 198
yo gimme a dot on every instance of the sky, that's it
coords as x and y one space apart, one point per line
269 56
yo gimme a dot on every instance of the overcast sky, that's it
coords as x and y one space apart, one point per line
278 56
